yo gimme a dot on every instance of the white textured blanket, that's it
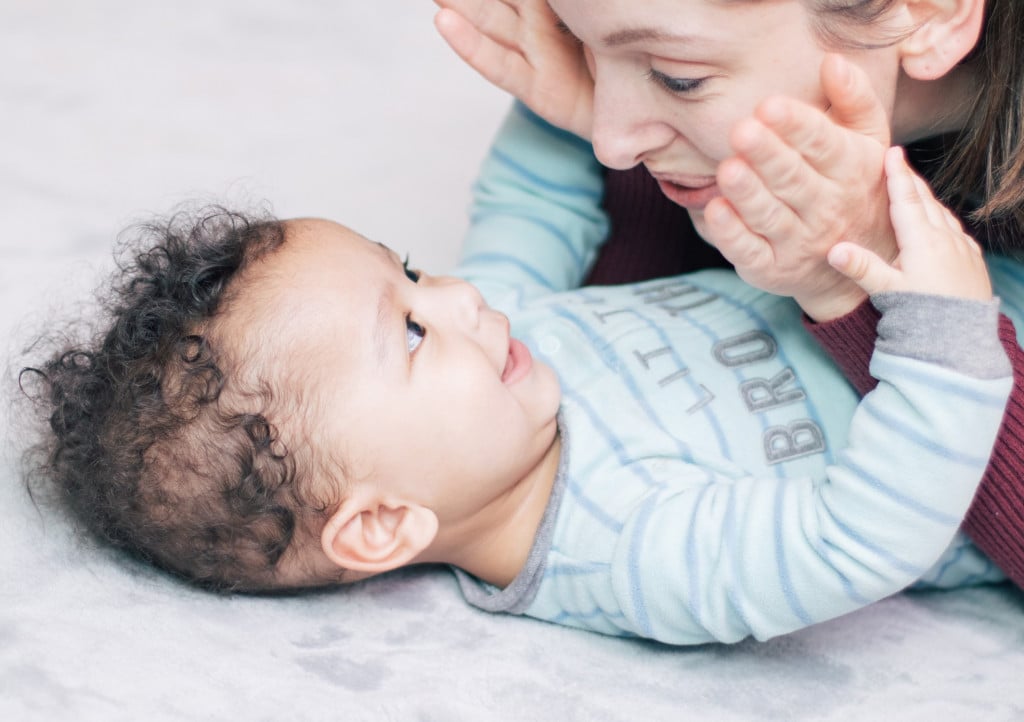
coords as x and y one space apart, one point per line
110 110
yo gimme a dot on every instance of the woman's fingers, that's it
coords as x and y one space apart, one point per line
498 63
728 232
854 103
779 162
495 19
759 205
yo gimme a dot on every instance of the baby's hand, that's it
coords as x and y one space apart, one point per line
519 46
802 180
935 255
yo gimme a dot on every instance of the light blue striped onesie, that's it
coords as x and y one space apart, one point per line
718 478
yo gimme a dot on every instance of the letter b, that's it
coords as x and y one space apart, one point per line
800 438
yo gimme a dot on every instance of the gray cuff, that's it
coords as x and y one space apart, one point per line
955 333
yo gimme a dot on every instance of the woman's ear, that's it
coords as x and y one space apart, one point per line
373 535
945 32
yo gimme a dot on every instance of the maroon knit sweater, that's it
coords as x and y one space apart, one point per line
652 237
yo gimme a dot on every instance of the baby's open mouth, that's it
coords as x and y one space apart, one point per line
518 363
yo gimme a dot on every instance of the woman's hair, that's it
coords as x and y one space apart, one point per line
982 168
154 445
987 160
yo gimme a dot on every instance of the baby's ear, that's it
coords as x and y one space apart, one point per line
946 31
375 535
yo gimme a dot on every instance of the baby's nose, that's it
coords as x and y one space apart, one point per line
467 302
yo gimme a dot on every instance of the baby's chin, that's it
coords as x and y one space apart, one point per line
548 388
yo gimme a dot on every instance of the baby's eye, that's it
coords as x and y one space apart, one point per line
679 86
412 274
414 334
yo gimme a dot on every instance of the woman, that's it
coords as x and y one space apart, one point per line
761 128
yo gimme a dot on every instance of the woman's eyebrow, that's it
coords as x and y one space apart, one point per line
636 35
629 35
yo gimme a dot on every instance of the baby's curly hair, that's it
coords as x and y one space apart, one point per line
155 447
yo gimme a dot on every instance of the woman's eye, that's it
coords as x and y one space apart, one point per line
412 274
414 334
564 30
679 86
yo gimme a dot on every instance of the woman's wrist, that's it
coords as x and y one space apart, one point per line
821 308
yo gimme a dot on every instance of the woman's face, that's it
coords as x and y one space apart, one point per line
672 77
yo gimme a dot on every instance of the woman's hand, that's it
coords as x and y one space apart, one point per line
801 181
519 46
935 255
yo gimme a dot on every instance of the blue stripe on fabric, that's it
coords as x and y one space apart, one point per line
554 130
546 225
761 325
541 182
576 569
935 577
573 485
825 551
928 378
785 580
902 499
1012 309
950 561
708 413
693 560
614 363
884 553
595 612
636 596
791 597
731 531
580 620
1014 275
891 423
594 509
780 351
488 258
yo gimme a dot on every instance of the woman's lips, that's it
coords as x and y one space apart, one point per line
689 197
518 363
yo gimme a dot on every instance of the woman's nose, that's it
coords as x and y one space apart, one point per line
626 125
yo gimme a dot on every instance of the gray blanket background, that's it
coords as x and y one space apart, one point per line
113 110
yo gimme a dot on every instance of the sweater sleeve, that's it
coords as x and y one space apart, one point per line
995 521
767 554
536 221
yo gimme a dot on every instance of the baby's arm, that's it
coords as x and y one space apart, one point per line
519 46
536 221
766 556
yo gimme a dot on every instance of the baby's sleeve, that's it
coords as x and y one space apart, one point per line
763 556
536 221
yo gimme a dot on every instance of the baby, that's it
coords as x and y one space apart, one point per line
286 404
